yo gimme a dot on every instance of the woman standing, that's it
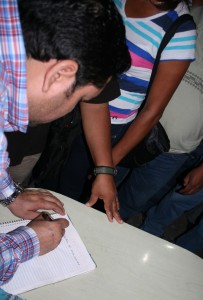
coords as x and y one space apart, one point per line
146 22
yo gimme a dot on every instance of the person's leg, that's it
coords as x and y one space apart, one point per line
147 184
193 239
194 213
171 207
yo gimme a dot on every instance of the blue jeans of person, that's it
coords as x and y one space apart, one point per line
73 178
170 208
145 186
193 239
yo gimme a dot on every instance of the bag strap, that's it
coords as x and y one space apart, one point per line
167 37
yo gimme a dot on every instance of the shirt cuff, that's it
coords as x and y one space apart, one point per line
7 189
27 240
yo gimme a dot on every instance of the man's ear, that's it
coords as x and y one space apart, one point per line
62 72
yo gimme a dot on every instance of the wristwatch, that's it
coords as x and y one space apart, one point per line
18 189
105 170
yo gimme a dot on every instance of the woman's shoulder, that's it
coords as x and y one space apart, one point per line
164 21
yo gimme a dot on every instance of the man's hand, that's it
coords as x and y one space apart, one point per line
49 233
27 204
104 188
193 181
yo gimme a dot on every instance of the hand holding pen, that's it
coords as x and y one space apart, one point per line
49 231
46 216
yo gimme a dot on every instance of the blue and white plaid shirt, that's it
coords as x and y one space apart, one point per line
13 92
16 247
22 244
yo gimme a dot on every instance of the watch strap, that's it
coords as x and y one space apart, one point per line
105 170
7 201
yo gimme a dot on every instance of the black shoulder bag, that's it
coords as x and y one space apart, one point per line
156 141
61 135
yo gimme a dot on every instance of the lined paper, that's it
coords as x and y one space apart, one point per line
69 259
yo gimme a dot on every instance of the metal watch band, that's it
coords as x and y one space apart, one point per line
104 170
7 201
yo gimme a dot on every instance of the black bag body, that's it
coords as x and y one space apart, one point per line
156 141
61 135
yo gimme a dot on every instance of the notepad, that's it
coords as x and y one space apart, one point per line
69 259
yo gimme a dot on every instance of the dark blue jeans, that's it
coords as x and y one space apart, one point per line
147 185
193 239
170 208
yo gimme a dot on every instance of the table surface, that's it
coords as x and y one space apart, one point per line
131 264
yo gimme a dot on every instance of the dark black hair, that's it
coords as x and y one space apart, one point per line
167 4
91 32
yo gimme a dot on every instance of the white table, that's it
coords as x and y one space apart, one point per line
131 264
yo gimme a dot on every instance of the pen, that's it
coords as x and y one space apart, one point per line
46 216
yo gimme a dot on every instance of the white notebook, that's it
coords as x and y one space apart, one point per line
69 259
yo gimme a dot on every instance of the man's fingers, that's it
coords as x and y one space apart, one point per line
92 201
50 202
45 195
51 197
109 216
187 190
114 214
117 217
32 215
49 205
112 211
63 222
117 204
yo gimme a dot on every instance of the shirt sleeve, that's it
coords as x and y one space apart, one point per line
16 247
6 183
6 296
182 45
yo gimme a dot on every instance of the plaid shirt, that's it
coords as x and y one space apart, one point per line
6 296
16 247
13 96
